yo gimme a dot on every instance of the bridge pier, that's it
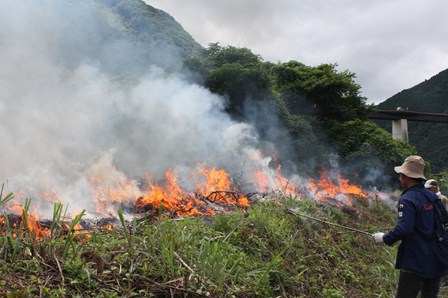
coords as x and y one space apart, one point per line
400 129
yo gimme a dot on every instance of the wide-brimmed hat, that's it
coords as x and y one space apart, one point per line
430 183
413 166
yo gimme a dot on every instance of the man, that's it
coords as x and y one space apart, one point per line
419 269
433 186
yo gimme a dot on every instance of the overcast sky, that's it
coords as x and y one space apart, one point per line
390 45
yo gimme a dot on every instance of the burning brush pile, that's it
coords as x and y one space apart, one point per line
215 192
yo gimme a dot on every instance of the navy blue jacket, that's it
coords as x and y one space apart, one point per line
415 227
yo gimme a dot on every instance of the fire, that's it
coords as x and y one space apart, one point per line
262 181
286 187
214 180
207 190
23 221
275 181
327 188
109 194
51 196
173 197
112 191
37 229
170 196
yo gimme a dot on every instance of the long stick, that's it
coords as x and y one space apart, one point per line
329 223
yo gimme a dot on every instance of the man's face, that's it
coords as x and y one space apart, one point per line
404 180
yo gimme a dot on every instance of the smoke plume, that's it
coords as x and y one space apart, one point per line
67 116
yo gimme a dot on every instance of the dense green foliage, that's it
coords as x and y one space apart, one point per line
428 96
320 109
370 150
236 73
430 139
333 95
260 252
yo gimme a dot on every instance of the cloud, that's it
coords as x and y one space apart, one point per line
390 45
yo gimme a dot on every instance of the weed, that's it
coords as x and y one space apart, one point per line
262 252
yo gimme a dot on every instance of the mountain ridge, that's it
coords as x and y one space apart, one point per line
430 139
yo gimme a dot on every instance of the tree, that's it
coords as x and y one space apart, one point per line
235 73
338 118
320 109
367 148
321 91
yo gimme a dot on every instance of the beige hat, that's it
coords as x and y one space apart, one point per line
413 167
430 183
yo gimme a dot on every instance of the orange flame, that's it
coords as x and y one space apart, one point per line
276 181
213 190
286 187
171 196
326 188
262 181
215 180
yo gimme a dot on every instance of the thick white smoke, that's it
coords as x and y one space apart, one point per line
80 105
65 119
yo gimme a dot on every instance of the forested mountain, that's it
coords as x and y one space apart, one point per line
122 37
429 96
430 139
161 39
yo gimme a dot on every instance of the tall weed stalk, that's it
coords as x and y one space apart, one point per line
213 261
126 233
71 232
163 250
26 225
10 244
7 198
11 241
56 222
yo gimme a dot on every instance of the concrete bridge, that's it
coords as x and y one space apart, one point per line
400 119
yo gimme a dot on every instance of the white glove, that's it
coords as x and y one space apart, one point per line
378 237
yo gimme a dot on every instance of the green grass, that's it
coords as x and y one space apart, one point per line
260 252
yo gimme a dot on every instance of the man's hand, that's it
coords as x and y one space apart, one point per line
378 237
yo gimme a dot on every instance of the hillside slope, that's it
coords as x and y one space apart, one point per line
430 139
159 36
121 37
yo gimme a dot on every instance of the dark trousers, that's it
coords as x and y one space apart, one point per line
409 285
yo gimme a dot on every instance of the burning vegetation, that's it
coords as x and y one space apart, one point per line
214 193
